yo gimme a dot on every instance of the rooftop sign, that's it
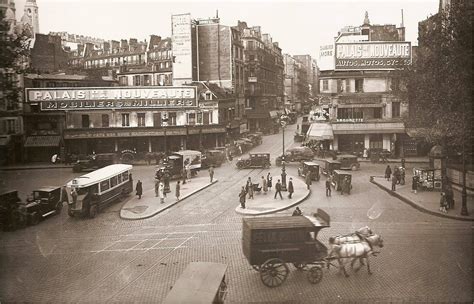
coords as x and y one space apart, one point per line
372 55
113 98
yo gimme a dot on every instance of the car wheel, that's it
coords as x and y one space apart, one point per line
354 168
59 207
92 211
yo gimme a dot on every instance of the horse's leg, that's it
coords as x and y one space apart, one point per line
368 265
343 268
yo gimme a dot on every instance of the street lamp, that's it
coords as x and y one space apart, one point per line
283 122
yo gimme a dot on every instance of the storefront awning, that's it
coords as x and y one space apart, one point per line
319 131
42 141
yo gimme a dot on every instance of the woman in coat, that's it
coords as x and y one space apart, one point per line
388 172
161 193
139 189
178 190
269 181
242 196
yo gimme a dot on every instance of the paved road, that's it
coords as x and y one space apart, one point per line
425 258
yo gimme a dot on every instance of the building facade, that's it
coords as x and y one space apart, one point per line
364 94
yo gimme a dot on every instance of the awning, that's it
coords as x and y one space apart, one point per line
360 105
42 141
4 140
319 131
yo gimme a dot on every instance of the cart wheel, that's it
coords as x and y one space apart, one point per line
256 267
315 275
273 272
299 266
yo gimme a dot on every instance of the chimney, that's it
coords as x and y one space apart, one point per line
115 46
154 41
124 45
106 47
133 44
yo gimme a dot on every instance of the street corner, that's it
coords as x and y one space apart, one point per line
263 204
149 205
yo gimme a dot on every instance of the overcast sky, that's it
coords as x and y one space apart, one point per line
300 27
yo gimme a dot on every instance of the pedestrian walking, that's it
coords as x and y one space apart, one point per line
328 187
269 181
414 183
211 173
183 175
396 172
242 196
278 190
161 193
297 212
402 176
74 196
139 189
388 172
250 191
157 186
290 188
188 172
248 184
365 155
394 182
178 190
443 204
308 180
264 185
449 196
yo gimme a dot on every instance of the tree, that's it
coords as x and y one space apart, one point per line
439 82
14 48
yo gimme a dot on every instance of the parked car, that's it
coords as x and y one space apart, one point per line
9 206
296 154
308 167
95 161
348 162
213 158
44 202
256 138
330 165
255 160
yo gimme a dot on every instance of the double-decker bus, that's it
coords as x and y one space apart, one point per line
92 192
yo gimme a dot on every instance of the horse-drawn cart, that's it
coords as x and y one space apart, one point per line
269 243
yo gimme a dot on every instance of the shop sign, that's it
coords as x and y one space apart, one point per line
372 55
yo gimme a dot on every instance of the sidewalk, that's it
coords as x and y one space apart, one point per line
149 205
426 201
266 203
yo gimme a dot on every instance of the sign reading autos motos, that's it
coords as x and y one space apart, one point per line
113 98
372 55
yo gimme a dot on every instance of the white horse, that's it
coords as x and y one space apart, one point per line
355 237
355 251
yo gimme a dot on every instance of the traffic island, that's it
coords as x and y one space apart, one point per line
149 205
263 203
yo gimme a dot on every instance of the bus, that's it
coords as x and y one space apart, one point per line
95 190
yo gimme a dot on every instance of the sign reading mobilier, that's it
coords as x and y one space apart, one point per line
372 55
113 98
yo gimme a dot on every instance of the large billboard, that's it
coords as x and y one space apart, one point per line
181 26
326 57
113 98
372 55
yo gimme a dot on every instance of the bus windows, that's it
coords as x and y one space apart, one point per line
113 181
125 176
104 185
119 178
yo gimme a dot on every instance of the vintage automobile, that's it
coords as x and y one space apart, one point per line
296 154
299 137
94 162
177 161
256 138
44 202
348 162
200 282
269 243
256 160
213 158
308 167
10 217
330 165
242 146
339 178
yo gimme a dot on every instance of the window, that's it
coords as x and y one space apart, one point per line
251 57
125 176
378 113
113 182
325 85
199 118
359 85
348 85
141 119
136 80
395 84
206 118
340 87
191 119
146 80
85 121
157 119
105 120
125 120
172 118
376 141
395 109
104 185
119 178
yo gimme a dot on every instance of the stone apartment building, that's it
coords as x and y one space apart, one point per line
364 93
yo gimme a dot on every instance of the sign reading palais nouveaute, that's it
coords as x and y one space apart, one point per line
113 98
372 55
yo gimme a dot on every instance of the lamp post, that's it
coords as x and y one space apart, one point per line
464 192
283 122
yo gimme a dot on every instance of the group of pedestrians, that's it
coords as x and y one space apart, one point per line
398 176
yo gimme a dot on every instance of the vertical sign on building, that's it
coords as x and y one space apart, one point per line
326 57
182 48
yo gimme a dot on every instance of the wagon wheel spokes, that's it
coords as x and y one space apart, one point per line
273 272
315 275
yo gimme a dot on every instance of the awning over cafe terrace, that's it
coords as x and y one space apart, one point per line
320 131
42 141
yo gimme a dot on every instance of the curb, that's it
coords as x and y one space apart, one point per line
415 205
170 205
237 210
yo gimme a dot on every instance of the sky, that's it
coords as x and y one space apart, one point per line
300 27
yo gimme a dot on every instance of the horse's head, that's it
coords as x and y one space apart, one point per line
375 240
365 231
